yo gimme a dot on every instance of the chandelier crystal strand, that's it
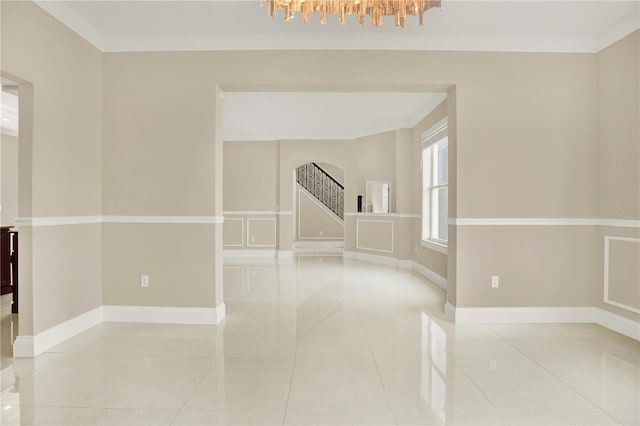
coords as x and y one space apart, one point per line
376 9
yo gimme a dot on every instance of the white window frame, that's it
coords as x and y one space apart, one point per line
435 134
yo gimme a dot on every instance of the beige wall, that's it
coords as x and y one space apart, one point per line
618 121
60 162
9 179
178 258
251 173
537 266
314 221
618 94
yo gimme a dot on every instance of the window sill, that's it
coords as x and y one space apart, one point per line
440 248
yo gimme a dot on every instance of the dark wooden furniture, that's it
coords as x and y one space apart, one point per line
9 264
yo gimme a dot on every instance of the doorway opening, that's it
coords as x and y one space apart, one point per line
9 137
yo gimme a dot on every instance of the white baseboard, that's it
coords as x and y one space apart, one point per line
526 315
618 323
31 346
437 279
373 258
405 263
318 244
164 315
249 253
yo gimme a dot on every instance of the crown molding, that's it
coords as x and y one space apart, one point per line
74 22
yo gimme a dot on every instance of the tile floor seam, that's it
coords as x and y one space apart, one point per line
473 382
560 380
384 387
195 388
293 370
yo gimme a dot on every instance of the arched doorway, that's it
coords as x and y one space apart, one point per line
319 206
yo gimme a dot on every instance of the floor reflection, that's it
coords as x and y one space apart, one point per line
322 340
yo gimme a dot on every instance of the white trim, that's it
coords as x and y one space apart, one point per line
605 296
78 220
31 346
248 253
23 222
162 219
621 223
241 232
285 213
373 258
400 215
435 278
450 312
618 323
284 254
435 247
249 219
164 315
580 315
525 315
250 213
359 247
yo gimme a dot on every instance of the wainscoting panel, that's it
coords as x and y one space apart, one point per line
622 273
375 235
261 232
234 232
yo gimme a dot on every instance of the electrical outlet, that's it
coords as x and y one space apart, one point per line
493 364
144 281
495 281
253 239
320 232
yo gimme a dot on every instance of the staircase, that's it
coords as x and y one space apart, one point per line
323 187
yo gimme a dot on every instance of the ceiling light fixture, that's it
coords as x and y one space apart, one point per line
375 9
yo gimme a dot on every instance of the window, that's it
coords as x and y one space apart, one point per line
435 186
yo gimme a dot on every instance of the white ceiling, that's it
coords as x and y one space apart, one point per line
517 25
260 116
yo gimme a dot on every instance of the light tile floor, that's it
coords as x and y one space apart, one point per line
322 340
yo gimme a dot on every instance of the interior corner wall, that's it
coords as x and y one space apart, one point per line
60 88
619 176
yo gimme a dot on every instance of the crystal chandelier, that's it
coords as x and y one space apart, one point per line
375 9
